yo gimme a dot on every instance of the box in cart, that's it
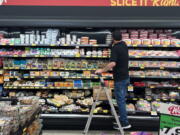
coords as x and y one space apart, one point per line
102 93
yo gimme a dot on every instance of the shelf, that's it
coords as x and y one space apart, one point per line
63 69
150 57
154 46
104 57
150 99
52 45
155 77
54 77
175 68
148 77
50 56
98 45
154 87
47 88
94 116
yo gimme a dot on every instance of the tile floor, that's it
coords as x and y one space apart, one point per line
60 132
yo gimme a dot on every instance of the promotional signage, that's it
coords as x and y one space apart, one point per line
91 2
169 119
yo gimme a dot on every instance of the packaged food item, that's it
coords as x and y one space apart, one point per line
165 41
155 106
143 105
136 42
128 41
146 41
175 42
156 42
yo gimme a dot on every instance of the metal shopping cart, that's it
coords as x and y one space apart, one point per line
106 90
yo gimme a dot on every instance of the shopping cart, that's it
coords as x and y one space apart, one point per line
94 106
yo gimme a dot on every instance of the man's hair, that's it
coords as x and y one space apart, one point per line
117 35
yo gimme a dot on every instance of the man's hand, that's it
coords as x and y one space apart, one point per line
99 71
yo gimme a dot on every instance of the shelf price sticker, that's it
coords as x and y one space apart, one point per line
153 113
130 88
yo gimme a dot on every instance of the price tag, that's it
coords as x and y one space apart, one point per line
137 56
148 99
52 45
36 55
150 46
134 45
179 88
142 76
165 45
141 67
65 45
158 99
161 67
57 56
130 88
34 45
15 55
11 44
23 55
172 100
152 87
87 56
153 113
135 99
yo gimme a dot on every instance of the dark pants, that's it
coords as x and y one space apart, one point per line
120 89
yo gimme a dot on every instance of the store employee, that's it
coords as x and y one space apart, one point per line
119 63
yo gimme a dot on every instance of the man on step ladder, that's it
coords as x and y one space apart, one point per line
119 62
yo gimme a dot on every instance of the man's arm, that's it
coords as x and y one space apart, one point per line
106 68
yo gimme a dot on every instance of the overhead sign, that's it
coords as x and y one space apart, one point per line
91 2
169 119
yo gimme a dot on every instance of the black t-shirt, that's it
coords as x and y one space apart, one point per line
120 55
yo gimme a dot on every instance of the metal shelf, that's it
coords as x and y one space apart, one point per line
51 45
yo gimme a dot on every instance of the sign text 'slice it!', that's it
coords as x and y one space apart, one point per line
145 2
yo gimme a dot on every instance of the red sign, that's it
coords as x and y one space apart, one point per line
174 110
91 2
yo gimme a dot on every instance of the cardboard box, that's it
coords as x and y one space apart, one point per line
102 93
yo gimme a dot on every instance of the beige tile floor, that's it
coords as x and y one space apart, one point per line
60 132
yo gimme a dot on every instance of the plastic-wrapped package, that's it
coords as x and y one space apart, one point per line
143 105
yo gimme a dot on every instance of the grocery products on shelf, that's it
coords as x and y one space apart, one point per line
153 84
14 119
58 66
149 37
155 64
153 53
155 73
52 84
48 52
55 63
52 37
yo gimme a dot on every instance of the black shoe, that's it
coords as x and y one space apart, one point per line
127 126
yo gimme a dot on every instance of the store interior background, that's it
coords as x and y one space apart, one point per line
88 19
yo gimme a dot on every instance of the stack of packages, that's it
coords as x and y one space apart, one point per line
14 119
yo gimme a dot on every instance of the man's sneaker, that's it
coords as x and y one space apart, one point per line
123 126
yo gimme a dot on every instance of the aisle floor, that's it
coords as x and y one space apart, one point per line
60 132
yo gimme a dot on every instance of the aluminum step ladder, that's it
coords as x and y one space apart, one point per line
94 106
